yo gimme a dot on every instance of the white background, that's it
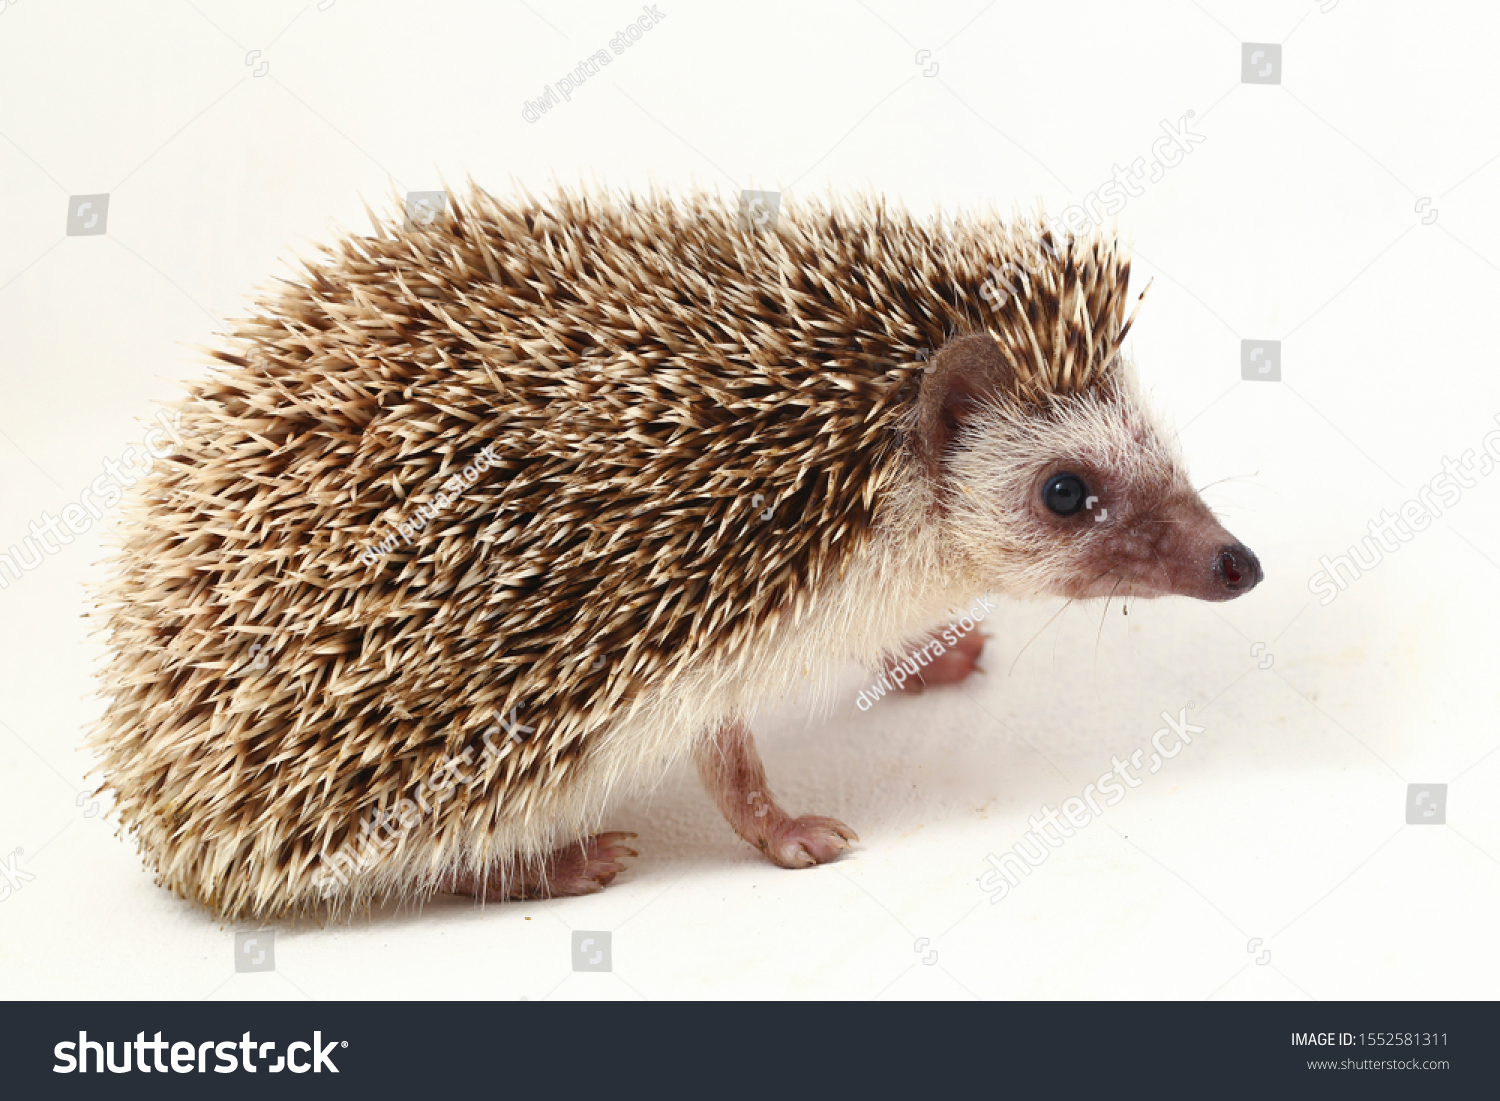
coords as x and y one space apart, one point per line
1297 219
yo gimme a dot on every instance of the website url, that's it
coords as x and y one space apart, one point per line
1377 1064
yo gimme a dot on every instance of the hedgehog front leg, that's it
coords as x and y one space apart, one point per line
937 664
732 773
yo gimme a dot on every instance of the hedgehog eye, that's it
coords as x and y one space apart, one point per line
1065 494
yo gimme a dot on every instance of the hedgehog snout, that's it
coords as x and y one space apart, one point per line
1183 550
1237 569
1212 565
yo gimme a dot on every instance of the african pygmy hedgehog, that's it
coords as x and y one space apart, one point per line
480 521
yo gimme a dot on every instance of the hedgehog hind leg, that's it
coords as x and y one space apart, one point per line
732 772
578 869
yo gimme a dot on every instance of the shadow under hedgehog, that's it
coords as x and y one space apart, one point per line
720 465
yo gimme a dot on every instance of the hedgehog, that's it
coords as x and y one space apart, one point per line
479 522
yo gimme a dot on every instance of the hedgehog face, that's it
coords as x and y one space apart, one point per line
1083 497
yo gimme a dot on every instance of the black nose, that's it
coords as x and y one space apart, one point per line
1238 568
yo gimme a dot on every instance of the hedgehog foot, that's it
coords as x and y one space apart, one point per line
953 666
579 869
803 842
732 773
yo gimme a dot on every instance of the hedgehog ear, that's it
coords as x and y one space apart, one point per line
966 372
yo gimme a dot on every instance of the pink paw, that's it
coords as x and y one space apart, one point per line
953 666
811 839
582 869
579 869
